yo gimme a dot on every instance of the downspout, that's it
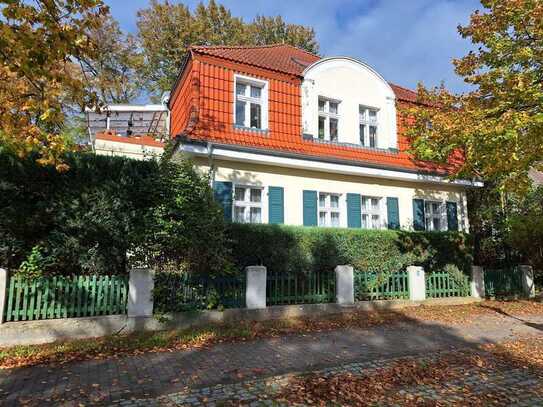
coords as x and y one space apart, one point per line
210 163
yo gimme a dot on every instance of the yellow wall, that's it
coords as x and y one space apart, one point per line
294 181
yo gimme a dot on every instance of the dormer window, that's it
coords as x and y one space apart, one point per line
328 119
251 103
368 126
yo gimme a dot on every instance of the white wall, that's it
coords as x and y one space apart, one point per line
353 83
295 181
136 151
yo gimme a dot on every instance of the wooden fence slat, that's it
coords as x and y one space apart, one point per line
11 298
37 309
25 300
73 296
32 305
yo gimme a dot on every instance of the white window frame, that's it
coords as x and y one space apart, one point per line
328 209
369 211
364 119
248 99
327 115
430 215
247 203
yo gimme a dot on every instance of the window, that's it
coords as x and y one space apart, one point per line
250 103
247 204
368 126
329 211
328 119
371 212
435 216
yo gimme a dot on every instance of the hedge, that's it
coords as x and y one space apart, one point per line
303 249
80 221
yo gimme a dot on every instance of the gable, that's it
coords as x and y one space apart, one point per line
354 85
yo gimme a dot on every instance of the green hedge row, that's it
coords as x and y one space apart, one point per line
81 221
301 249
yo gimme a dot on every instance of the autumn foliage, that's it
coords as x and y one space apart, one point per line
498 125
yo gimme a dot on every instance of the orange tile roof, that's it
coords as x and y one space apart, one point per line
209 106
281 58
142 140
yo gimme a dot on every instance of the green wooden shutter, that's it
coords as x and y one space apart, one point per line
223 195
276 211
354 211
418 214
393 213
452 216
310 208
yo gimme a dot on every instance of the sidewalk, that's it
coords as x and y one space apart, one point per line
151 375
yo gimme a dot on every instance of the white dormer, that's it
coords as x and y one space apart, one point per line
350 95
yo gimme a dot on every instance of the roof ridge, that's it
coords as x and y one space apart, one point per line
278 44
402 87
237 46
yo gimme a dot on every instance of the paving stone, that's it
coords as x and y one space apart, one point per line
152 375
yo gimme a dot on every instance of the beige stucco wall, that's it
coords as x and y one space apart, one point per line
352 83
294 181
136 151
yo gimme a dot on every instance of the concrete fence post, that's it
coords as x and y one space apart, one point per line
477 283
255 292
344 285
528 286
140 292
416 283
3 293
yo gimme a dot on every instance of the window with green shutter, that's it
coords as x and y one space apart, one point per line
419 221
354 213
393 213
222 192
452 216
310 208
276 207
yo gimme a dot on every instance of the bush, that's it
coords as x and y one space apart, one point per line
87 219
80 221
525 233
302 249
187 228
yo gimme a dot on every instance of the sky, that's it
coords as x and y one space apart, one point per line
406 41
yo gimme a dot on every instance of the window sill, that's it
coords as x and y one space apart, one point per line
308 137
251 130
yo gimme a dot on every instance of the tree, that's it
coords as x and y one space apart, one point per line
273 30
526 228
40 42
166 31
113 71
498 126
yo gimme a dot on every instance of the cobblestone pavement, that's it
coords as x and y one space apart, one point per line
151 375
512 386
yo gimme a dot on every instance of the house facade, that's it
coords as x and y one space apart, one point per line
134 131
292 138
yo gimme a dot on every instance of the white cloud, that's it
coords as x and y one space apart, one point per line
407 41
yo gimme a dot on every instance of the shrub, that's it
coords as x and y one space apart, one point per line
302 249
87 219
187 228
83 220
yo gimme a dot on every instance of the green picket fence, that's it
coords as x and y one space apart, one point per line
65 297
370 285
440 284
503 282
178 292
300 288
